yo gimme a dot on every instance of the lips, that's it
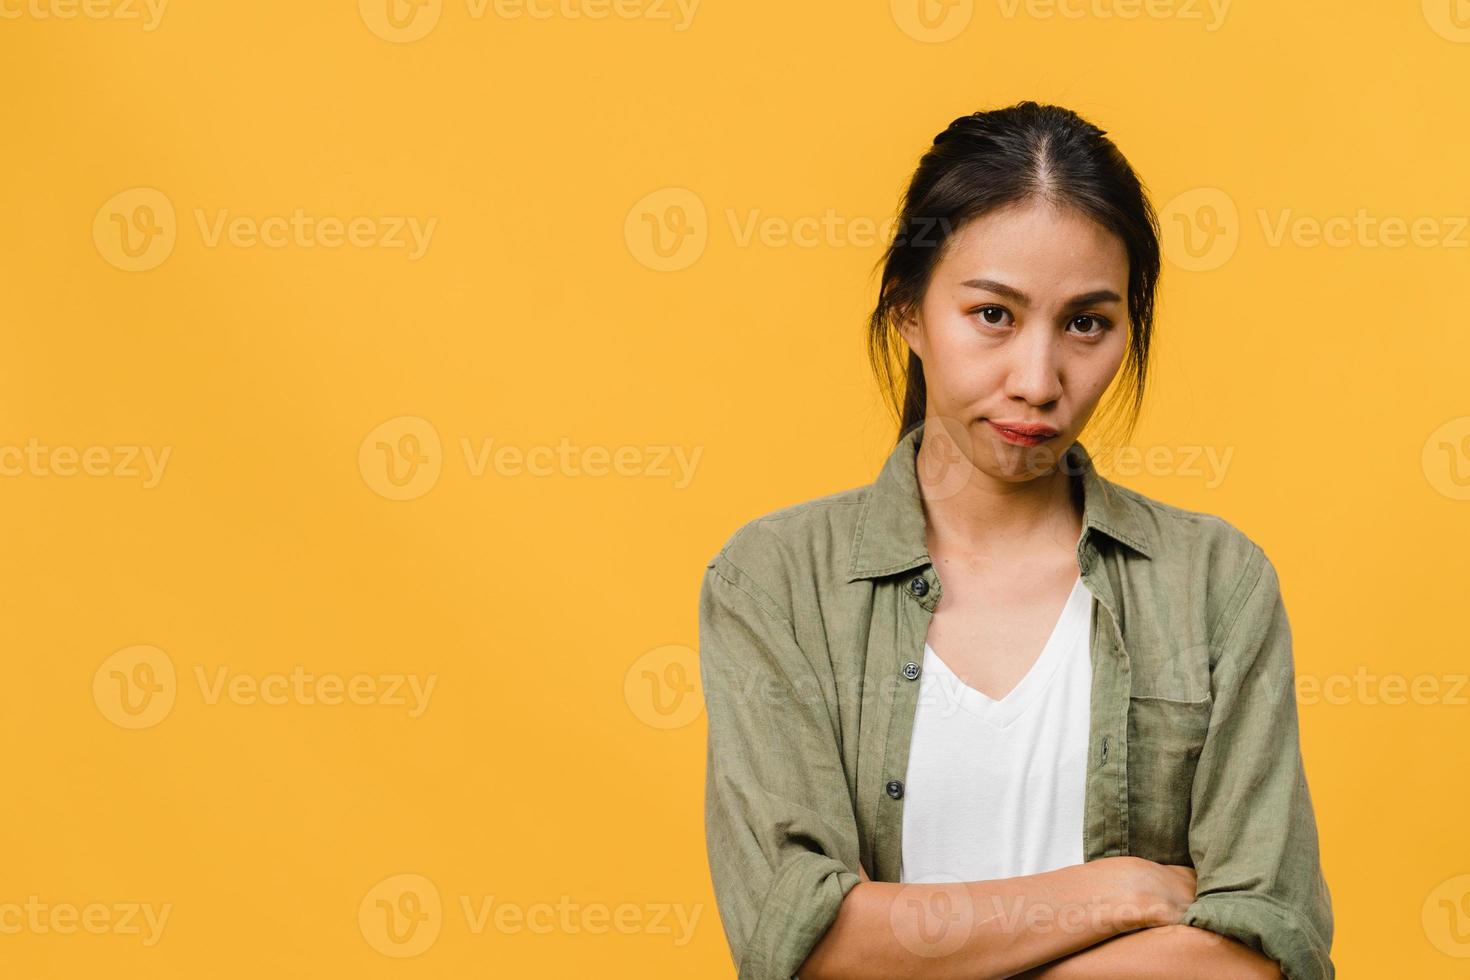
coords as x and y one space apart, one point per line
1022 433
1035 429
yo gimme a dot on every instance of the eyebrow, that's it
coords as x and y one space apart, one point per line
1012 293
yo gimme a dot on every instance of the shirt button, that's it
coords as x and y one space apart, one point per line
895 789
911 670
918 586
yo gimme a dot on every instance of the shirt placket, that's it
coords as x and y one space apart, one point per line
916 595
1105 807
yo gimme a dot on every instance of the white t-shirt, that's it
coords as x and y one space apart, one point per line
995 788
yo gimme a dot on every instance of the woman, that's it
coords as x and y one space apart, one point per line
1113 785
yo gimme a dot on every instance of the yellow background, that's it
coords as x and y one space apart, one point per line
547 768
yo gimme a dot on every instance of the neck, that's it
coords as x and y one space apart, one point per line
971 512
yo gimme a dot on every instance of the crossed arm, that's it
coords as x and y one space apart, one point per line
1137 936
1160 953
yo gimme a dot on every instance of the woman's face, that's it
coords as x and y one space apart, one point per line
1025 321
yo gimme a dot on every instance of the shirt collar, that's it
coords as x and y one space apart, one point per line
890 535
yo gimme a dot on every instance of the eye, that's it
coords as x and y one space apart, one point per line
992 316
1101 324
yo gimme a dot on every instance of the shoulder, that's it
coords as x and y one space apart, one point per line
1203 553
1182 534
800 545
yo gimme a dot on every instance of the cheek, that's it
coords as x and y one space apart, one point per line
1086 385
1096 372
962 371
951 361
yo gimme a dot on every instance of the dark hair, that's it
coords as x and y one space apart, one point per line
989 160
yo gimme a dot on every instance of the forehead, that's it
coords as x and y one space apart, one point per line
1034 242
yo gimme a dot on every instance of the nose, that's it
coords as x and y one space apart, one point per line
1034 375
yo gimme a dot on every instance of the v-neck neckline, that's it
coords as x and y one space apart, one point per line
1000 712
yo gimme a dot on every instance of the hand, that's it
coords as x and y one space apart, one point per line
1161 891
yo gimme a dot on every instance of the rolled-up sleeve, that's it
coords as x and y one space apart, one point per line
1252 832
779 823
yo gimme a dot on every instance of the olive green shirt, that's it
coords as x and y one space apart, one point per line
812 623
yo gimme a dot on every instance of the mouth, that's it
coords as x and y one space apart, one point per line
1023 433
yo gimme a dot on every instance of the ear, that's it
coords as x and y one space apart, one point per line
911 330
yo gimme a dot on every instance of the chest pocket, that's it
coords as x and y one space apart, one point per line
1165 737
